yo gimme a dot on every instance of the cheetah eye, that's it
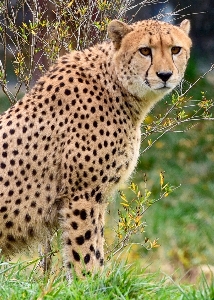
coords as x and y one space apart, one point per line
146 51
175 50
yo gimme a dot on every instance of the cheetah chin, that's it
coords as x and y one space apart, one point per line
75 137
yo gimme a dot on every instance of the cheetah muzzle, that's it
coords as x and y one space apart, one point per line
75 137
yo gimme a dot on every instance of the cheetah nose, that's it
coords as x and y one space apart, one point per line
164 75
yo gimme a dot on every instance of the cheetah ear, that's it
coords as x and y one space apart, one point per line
185 26
116 31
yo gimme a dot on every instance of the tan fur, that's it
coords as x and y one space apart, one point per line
70 142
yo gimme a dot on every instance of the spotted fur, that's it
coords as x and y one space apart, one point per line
69 143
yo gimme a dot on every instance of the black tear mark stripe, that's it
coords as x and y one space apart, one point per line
147 72
146 76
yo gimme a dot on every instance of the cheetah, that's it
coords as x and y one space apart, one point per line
69 143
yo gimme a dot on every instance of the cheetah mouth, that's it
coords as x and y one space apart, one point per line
163 88
160 87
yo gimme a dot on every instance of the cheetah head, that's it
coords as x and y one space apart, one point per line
150 57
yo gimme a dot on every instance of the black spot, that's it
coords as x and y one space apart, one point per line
4 136
93 109
83 214
3 209
24 129
92 248
18 183
12 162
19 141
34 172
10 122
102 231
18 201
5 146
95 124
67 92
4 154
16 212
60 102
39 211
37 194
92 213
49 87
30 232
74 225
51 177
5 216
104 179
88 235
53 97
27 218
12 131
76 255
76 212
98 197
94 138
9 224
7 183
3 165
10 238
68 242
87 158
87 258
94 178
76 198
80 240
97 254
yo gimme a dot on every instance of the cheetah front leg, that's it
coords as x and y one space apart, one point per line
82 232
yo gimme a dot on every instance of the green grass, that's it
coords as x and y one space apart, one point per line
121 281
